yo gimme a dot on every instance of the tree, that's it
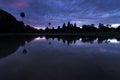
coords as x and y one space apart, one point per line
92 25
52 28
46 28
101 25
22 14
108 25
49 24
24 50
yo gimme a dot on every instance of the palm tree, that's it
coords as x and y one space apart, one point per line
22 14
49 24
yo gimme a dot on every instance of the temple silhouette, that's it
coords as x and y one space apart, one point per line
9 24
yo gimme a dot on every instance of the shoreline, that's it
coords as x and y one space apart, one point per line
90 34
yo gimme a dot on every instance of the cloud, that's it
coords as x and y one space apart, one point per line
40 12
19 5
15 3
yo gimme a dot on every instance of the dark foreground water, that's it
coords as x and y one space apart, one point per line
31 58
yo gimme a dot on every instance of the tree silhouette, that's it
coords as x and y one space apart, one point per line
22 14
49 24
24 50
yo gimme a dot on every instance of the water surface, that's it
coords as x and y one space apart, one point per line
42 58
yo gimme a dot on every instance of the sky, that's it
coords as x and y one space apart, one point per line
40 12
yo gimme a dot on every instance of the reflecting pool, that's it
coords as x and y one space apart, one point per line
59 58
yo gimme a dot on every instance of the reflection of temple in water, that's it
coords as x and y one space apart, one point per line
9 44
84 39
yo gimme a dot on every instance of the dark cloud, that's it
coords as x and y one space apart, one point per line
40 12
